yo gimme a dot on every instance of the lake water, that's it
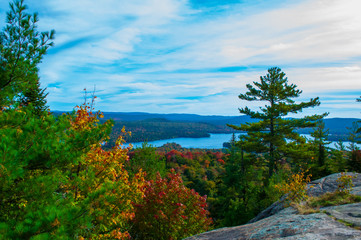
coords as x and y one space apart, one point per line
215 141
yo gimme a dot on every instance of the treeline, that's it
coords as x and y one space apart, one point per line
152 129
157 129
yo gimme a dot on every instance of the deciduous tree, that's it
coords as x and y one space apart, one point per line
170 210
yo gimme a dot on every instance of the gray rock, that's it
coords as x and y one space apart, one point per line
277 222
314 188
348 213
287 224
329 184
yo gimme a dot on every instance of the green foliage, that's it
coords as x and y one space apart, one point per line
199 169
243 191
156 129
268 136
146 159
238 190
34 164
354 154
56 180
22 48
320 149
338 160
170 210
354 136
354 161
345 183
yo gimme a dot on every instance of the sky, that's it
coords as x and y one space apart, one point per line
196 56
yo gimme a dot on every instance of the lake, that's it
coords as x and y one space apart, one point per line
215 141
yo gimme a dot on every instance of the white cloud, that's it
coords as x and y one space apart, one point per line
327 79
316 42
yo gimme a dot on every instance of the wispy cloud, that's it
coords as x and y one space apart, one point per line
196 56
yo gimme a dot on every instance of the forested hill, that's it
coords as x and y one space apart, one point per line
336 125
153 126
150 127
211 119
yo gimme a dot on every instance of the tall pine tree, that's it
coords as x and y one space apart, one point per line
22 48
273 132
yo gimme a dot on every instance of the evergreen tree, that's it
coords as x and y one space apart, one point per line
319 145
271 134
22 48
354 158
359 129
353 136
146 159
238 195
338 163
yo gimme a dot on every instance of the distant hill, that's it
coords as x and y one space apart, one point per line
155 126
339 125
161 128
336 125
337 128
178 117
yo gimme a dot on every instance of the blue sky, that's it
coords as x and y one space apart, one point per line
196 56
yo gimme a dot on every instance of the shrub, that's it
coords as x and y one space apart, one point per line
295 188
170 210
345 183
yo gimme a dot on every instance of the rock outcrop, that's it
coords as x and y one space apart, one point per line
276 222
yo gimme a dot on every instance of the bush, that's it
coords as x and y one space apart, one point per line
296 188
170 210
345 183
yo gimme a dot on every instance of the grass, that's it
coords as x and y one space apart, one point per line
313 204
333 199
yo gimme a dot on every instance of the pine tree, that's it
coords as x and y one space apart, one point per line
147 159
353 136
338 161
271 134
354 156
359 129
22 48
319 143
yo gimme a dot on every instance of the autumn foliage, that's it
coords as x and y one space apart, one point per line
170 210
101 179
295 187
57 181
